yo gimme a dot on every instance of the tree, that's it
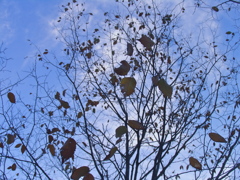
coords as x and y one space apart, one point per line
136 98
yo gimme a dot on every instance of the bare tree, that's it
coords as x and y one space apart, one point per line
136 98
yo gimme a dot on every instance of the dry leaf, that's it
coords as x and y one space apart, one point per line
129 49
135 125
88 177
23 148
68 149
128 85
64 104
195 163
166 89
51 149
111 153
146 42
217 138
77 173
123 69
10 138
121 130
11 97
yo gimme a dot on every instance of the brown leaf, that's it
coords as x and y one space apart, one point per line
166 89
217 138
50 138
23 148
64 104
77 173
121 130
14 166
51 149
79 115
88 177
57 96
128 85
129 49
119 140
68 149
113 79
146 42
111 153
55 130
11 97
123 69
155 81
10 138
135 125
195 163
18 145
214 8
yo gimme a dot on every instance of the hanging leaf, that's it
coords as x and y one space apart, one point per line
77 173
165 88
88 177
68 149
18 145
195 163
13 167
129 49
64 104
57 96
155 81
119 140
121 130
217 138
51 149
214 8
11 97
123 69
64 92
10 138
50 138
23 148
111 153
79 115
128 85
114 79
135 125
146 42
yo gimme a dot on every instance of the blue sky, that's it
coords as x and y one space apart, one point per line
23 20
33 20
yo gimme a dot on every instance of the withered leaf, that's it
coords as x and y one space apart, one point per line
135 125
11 97
129 49
68 149
166 89
121 130
23 148
51 149
10 138
123 69
77 173
146 42
64 104
88 177
195 163
217 138
128 85
111 153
